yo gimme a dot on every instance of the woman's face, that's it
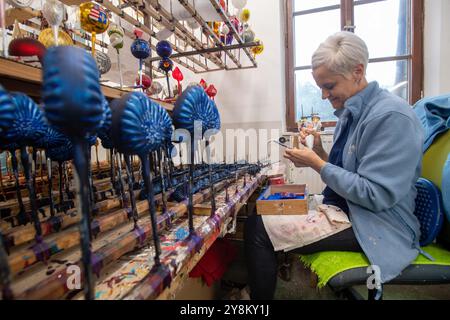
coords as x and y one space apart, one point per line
337 88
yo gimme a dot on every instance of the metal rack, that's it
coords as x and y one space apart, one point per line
199 51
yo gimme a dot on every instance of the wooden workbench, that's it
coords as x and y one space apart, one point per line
124 256
134 277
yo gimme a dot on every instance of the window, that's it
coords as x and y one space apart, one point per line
392 30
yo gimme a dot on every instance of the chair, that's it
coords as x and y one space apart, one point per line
350 269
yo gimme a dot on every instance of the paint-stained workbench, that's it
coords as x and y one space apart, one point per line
133 278
123 257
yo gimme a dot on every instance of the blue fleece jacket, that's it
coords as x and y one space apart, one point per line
381 164
434 114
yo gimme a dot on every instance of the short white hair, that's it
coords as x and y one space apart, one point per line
341 53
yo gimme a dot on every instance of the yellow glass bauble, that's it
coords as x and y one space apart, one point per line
259 48
48 40
93 18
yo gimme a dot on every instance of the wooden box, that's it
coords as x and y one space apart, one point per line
265 206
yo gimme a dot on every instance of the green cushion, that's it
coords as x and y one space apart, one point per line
327 264
434 159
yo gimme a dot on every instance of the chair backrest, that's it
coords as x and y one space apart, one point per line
434 160
428 211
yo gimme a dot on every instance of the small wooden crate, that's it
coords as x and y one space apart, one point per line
283 206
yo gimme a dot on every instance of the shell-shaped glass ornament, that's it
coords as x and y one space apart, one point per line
195 106
71 91
6 110
139 125
28 125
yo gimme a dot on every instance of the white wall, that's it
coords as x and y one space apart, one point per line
437 47
253 95
253 99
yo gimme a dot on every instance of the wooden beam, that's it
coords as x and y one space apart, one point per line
417 42
291 124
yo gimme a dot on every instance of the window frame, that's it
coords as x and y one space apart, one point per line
415 71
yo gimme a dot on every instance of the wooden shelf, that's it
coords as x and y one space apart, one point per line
16 76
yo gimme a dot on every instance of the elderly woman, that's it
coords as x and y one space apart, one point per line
370 172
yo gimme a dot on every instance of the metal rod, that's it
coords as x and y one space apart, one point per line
8 167
22 215
1 181
133 179
163 184
210 50
112 170
155 163
140 74
120 70
146 161
96 156
81 165
61 194
181 157
34 167
66 179
41 168
50 187
211 182
129 169
227 196
191 188
168 85
89 169
123 195
229 69
168 164
27 171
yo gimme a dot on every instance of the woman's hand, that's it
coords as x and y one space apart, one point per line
317 145
305 157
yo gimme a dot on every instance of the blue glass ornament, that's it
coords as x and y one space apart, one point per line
140 49
140 125
166 65
6 109
71 91
195 105
164 49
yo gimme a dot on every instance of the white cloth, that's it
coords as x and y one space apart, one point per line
287 232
